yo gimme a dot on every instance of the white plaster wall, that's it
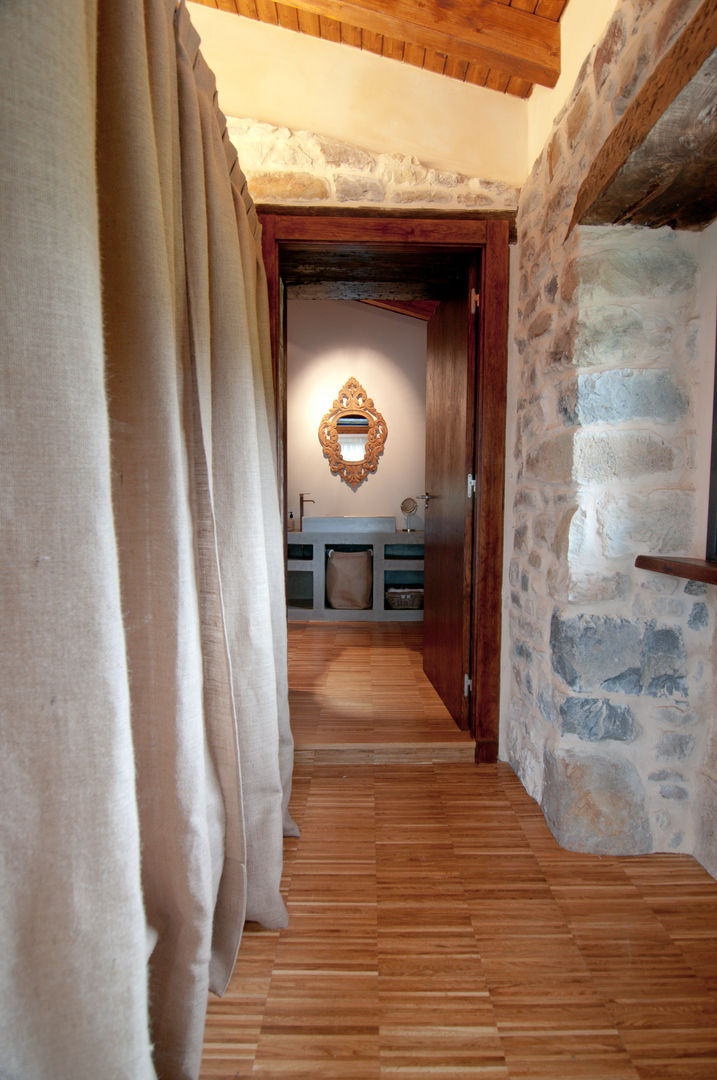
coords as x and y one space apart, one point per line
328 341
702 246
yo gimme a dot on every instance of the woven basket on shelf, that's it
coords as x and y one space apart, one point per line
405 599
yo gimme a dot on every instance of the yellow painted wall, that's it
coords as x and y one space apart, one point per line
280 77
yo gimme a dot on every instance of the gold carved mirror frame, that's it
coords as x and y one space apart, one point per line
353 411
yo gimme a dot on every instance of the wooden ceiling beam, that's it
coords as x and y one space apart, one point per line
680 63
515 42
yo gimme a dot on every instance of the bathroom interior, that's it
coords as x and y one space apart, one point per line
328 343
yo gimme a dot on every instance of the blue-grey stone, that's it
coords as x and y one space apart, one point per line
588 649
673 791
675 744
597 719
614 396
699 616
628 681
523 651
667 685
664 662
665 774
595 803
695 588
676 717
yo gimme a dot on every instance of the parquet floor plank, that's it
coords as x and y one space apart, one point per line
436 929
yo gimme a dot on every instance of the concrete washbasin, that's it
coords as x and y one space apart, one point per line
349 524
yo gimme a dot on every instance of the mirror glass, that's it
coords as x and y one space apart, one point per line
352 431
352 434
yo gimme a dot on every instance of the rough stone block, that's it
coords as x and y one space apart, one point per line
599 652
359 189
555 154
628 681
339 155
604 456
638 266
578 115
611 335
289 187
664 662
597 720
673 791
661 522
587 585
611 44
675 716
540 325
522 651
666 774
552 460
699 617
595 804
587 650
615 396
676 745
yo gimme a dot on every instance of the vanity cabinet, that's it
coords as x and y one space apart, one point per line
397 560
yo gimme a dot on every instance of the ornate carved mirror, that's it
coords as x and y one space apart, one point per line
352 434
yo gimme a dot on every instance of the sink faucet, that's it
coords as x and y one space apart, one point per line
302 500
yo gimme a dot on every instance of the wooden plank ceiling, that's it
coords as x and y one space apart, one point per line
504 45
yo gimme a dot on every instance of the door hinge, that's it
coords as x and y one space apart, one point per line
475 301
471 485
467 685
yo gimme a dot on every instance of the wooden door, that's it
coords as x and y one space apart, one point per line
450 453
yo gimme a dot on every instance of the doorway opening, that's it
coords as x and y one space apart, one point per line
462 266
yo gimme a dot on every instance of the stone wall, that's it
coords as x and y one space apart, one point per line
608 700
302 169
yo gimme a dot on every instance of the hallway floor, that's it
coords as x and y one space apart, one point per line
436 928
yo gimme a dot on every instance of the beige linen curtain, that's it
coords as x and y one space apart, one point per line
146 762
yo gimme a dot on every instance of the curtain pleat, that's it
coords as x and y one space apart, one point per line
73 990
231 334
150 750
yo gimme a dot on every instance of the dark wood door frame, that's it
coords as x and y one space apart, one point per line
491 237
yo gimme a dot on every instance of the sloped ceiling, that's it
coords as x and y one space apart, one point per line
503 45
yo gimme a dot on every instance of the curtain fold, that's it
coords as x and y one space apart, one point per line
150 748
73 991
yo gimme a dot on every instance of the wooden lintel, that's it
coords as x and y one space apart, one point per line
680 63
516 42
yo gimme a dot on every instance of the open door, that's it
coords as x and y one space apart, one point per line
450 453
358 258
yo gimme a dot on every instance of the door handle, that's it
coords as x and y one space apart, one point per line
426 499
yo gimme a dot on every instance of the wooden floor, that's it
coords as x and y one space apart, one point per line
436 928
